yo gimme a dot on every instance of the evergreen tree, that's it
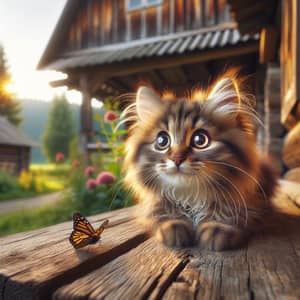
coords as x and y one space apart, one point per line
9 106
59 130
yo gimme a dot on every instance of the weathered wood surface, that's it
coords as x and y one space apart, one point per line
291 148
293 175
126 264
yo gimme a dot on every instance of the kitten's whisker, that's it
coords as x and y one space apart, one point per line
220 188
237 190
213 181
246 173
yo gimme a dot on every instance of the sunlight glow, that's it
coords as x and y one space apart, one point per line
10 88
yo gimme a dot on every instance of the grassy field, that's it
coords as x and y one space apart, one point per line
54 178
36 218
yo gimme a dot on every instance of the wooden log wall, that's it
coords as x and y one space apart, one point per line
290 87
103 22
14 159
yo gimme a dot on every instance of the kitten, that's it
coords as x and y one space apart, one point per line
195 166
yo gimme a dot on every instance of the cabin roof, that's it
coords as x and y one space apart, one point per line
11 135
56 40
252 16
179 43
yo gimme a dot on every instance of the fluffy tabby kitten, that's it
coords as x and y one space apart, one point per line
195 166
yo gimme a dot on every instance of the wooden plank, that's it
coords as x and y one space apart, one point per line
290 57
32 267
266 269
287 198
268 47
291 148
212 275
138 274
293 175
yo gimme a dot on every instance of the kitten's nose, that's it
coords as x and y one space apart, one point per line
178 160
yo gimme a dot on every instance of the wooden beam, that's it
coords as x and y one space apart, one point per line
173 76
86 115
268 46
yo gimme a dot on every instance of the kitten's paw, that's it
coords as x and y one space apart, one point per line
175 233
219 237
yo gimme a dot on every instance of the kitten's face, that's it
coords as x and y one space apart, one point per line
181 142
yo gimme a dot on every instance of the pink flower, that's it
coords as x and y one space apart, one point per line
75 163
118 159
91 184
105 178
59 157
89 171
110 116
121 137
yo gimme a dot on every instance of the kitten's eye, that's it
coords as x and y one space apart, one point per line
163 141
200 139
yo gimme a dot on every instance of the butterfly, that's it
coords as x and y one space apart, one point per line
83 232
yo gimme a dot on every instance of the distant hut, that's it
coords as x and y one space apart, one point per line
15 148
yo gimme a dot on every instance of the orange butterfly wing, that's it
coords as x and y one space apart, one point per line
82 224
83 233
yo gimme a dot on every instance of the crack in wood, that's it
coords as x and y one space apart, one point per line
3 285
170 279
251 292
48 287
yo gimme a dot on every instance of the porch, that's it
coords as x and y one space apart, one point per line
128 264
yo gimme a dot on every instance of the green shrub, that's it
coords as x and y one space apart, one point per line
7 183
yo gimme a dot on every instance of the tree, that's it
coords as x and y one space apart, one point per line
59 129
9 106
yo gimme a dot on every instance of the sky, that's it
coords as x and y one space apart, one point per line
25 28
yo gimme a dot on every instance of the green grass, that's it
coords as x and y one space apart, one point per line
54 178
36 218
20 194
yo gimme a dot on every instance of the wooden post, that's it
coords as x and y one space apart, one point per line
86 116
273 127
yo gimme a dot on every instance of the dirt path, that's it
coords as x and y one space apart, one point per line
20 204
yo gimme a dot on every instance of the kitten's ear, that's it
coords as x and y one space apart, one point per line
225 91
147 103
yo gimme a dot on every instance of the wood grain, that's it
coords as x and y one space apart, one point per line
33 266
142 273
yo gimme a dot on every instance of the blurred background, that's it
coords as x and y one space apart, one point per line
68 68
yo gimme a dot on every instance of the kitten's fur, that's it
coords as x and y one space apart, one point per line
213 197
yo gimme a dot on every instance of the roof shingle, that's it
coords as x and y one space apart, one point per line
161 46
11 135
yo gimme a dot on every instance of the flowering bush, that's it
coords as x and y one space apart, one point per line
98 187
29 182
91 184
59 157
110 116
105 178
89 171
75 163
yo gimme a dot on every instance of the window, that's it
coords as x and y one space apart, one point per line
140 4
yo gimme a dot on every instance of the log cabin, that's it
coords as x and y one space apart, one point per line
15 148
278 23
109 47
